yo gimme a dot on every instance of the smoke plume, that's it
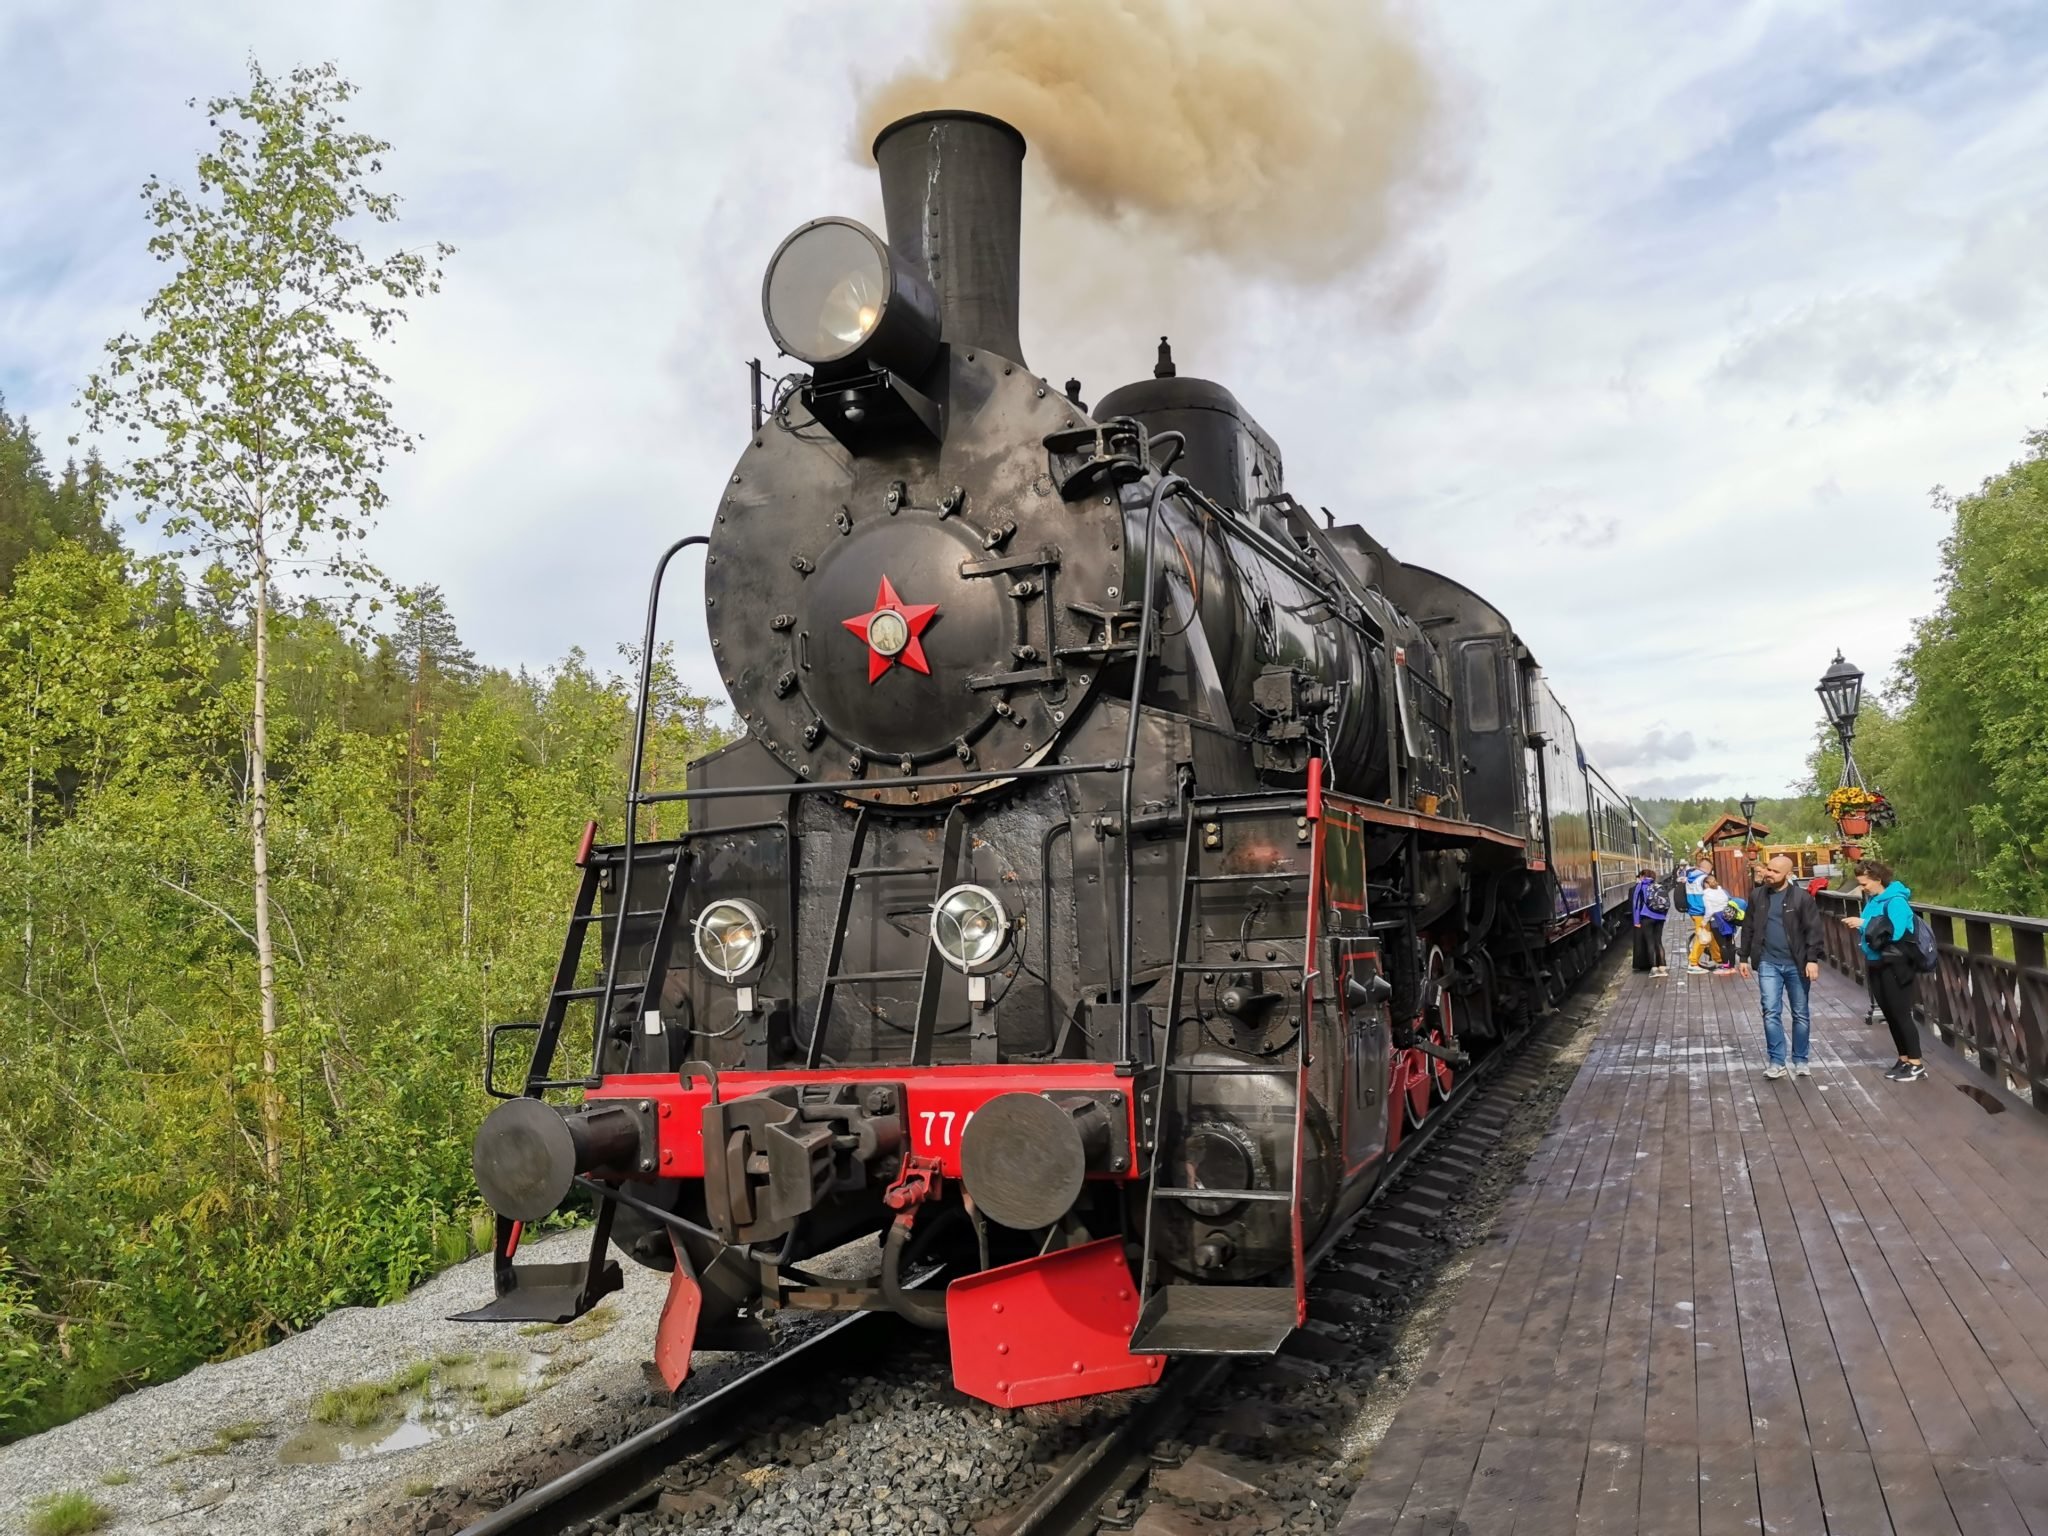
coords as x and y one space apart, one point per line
1293 139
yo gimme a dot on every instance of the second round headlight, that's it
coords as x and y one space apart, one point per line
731 938
969 928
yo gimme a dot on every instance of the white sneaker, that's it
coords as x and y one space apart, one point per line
1695 970
1774 1073
1801 1069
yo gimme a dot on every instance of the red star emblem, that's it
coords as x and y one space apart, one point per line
891 630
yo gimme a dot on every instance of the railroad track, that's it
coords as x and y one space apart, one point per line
1358 1274
619 1479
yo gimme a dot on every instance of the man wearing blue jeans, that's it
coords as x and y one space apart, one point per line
1780 941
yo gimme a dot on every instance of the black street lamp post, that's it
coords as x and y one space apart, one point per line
1841 695
1748 820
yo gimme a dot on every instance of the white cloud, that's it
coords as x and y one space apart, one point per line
1722 295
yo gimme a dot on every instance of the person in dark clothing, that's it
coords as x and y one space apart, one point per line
1679 910
1780 941
1887 939
1649 908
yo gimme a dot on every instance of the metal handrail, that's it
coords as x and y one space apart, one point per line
1126 1040
642 709
1980 1002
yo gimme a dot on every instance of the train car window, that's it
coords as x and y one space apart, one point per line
1482 686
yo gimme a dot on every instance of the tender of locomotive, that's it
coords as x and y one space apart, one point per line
1116 864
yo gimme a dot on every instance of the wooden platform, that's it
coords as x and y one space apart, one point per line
1722 1304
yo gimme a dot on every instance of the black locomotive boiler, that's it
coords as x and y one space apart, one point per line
1116 863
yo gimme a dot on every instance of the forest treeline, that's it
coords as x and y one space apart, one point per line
424 816
1956 737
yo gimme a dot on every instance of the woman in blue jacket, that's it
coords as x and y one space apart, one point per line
1887 942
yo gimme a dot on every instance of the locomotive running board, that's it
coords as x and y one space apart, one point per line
1215 1320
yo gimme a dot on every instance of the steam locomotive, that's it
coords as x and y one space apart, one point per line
1116 864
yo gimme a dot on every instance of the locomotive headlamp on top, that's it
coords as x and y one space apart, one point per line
837 297
732 936
970 929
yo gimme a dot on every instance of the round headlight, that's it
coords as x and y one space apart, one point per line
834 291
731 938
969 928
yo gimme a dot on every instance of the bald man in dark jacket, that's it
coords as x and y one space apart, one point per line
1781 941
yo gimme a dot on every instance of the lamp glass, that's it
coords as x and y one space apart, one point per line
1841 692
969 927
826 291
731 936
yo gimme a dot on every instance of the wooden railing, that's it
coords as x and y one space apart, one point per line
1989 996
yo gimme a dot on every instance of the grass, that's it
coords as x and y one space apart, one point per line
353 1407
67 1514
594 1324
561 1364
419 1488
363 1403
535 1330
229 1436
116 1476
498 1400
453 1359
411 1379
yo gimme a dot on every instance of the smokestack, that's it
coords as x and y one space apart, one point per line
952 194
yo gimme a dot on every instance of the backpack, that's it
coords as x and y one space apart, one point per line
1926 958
1655 902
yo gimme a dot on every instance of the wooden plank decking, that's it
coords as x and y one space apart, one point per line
1720 1304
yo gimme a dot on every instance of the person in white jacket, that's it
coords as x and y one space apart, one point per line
1713 899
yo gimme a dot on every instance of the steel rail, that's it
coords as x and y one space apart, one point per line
616 1480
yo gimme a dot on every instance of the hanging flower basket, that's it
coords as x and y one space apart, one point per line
1849 800
1856 810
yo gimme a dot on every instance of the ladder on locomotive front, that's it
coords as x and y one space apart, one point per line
1186 1317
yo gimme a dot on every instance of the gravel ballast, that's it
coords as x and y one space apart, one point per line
201 1453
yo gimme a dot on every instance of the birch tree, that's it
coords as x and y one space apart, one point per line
249 415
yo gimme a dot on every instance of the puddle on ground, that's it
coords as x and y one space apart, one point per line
1987 1101
456 1398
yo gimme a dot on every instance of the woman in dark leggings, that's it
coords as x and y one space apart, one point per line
1887 940
1649 923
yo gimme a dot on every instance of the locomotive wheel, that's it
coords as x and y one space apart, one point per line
1416 1100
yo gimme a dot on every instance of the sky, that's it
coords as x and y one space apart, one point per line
1709 300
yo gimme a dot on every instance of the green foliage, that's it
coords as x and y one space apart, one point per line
67 1514
37 514
1959 741
1791 819
255 410
254 418
419 894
